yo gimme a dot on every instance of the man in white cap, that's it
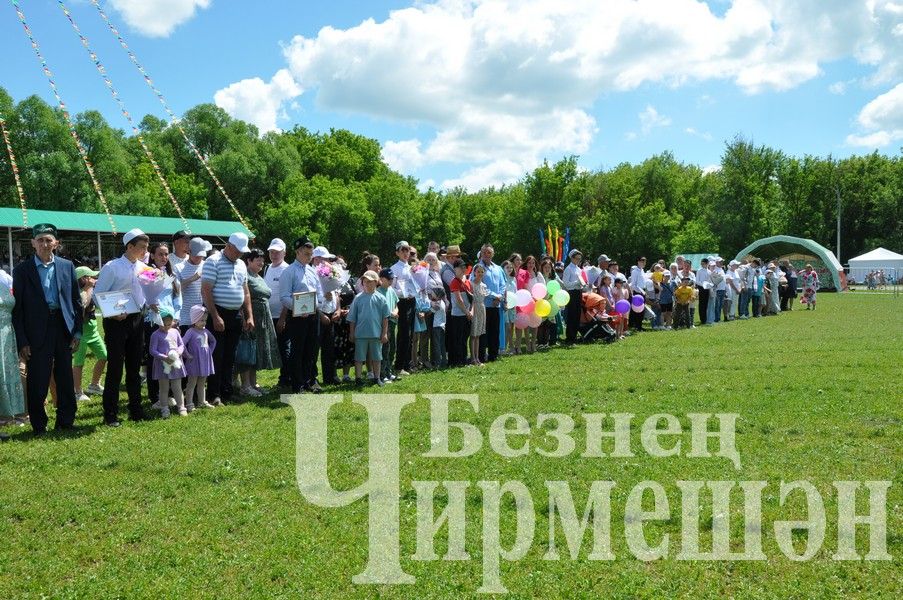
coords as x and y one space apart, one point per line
328 314
188 273
124 333
224 289
272 276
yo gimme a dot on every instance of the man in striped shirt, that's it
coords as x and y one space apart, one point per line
224 289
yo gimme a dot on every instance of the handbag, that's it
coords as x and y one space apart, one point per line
246 351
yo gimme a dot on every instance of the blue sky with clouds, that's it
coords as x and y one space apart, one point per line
476 93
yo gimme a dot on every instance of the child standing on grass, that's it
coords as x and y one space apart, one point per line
91 339
683 295
199 345
369 319
438 307
166 348
666 299
386 277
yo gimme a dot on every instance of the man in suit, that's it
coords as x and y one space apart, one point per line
47 319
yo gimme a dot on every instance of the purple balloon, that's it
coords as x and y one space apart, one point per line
638 300
622 306
638 309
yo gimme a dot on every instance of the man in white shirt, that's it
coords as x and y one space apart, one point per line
574 281
181 242
124 333
406 291
271 277
719 288
303 329
703 284
733 290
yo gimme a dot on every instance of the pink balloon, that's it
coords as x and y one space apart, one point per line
530 307
534 320
521 321
539 291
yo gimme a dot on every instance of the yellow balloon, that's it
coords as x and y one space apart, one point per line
543 308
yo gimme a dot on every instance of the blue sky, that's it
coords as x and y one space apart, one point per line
478 92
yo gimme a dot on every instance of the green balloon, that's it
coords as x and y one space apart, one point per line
553 287
561 298
555 309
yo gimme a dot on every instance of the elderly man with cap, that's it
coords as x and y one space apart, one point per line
124 333
47 319
303 329
224 289
600 270
406 291
181 245
574 281
188 273
329 314
272 277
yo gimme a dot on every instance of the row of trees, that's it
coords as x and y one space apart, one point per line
336 188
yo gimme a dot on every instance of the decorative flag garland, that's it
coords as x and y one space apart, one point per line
173 118
15 167
125 113
66 115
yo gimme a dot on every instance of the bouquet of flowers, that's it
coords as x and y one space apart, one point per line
153 283
332 277
420 273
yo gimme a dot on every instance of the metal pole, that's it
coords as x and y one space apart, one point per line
837 191
99 257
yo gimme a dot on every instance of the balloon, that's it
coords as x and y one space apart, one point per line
510 300
622 306
561 298
523 298
638 300
555 309
543 308
638 309
538 291
520 321
552 287
534 320
530 307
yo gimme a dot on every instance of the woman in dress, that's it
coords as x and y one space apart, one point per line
267 346
12 398
809 282
478 313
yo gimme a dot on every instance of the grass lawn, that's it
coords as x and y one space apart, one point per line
207 505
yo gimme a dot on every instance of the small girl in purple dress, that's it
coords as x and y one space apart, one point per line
166 348
199 345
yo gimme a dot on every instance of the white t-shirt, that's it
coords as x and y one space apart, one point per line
271 277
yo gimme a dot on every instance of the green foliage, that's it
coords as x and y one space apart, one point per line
335 187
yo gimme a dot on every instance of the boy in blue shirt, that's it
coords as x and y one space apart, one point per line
369 319
386 277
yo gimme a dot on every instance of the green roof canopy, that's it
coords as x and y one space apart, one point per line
782 245
97 222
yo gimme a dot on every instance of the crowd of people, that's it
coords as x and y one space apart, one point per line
194 325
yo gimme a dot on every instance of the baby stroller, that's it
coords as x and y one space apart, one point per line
594 322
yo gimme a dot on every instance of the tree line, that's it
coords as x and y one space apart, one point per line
336 188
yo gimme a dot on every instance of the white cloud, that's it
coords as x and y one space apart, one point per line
704 135
258 102
838 88
650 119
882 118
157 18
506 83
711 169
494 174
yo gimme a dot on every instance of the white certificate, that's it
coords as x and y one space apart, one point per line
113 304
304 304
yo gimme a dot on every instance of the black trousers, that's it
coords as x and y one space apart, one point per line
284 341
703 303
405 330
489 343
219 385
327 351
52 352
635 319
457 329
572 323
304 335
125 344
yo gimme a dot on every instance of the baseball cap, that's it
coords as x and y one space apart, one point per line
276 244
322 252
43 229
240 241
180 234
197 247
370 276
387 273
603 258
303 241
574 252
85 272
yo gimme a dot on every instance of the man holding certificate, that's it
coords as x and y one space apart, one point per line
47 318
121 299
300 292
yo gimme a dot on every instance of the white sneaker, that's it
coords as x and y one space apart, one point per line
204 404
183 412
95 389
172 402
249 391
217 401
81 397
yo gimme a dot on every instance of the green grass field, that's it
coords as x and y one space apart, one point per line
207 505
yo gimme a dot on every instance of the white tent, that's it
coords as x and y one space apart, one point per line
877 259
